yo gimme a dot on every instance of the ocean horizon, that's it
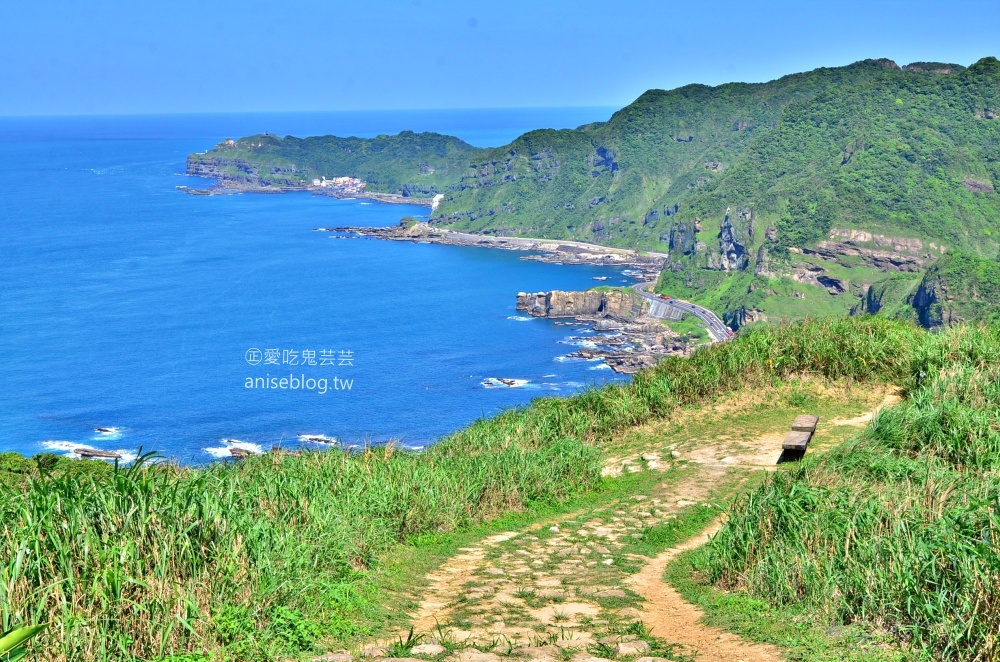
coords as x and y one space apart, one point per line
176 322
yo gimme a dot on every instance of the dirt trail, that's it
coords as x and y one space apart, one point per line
574 588
670 616
566 590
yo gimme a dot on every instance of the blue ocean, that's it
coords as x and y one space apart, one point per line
188 325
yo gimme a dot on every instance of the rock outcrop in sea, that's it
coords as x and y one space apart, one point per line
635 341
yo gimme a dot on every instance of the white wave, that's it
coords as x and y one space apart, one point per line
519 318
223 451
504 382
548 376
68 449
316 438
600 366
578 342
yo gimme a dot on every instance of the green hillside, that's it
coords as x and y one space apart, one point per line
408 163
899 526
776 200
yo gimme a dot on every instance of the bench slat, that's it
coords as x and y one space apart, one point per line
805 423
796 440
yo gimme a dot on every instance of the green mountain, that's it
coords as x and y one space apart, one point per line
409 163
774 201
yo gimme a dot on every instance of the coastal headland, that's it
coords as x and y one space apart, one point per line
230 187
645 265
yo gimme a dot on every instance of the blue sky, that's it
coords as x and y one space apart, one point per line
118 57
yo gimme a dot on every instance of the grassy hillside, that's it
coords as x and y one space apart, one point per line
899 527
265 557
776 200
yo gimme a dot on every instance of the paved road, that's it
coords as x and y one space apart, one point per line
677 308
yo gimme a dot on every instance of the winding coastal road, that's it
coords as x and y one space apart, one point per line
676 308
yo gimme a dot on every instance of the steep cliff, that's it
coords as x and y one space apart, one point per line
891 297
614 303
958 288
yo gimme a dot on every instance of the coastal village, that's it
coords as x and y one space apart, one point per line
340 185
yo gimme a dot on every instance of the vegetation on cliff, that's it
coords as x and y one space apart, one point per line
817 183
411 164
957 288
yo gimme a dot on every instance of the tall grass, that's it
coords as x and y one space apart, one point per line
899 527
261 558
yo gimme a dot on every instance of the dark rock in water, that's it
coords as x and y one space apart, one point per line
239 453
95 454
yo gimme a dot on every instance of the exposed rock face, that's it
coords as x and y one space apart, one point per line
682 238
817 276
929 301
740 317
977 186
890 296
603 160
732 251
896 244
942 68
762 266
639 341
879 251
616 304
215 168
870 303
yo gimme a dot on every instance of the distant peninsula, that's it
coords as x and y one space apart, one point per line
867 188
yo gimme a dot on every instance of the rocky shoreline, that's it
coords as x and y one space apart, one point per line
635 341
230 187
645 265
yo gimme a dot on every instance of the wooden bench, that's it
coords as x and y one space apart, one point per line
802 431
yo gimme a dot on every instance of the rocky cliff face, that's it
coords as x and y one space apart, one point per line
732 255
736 319
928 300
238 173
875 250
892 296
613 303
